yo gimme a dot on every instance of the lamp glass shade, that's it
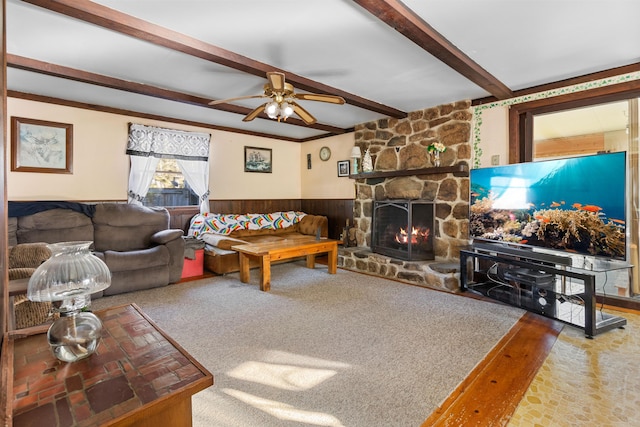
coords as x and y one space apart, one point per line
355 152
71 271
68 279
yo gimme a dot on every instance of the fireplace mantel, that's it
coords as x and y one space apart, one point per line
461 169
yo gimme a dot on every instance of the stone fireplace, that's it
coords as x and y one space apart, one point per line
402 171
403 229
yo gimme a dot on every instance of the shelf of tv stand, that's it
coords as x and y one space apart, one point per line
594 321
460 169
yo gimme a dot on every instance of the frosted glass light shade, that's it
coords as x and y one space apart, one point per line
286 110
72 271
272 110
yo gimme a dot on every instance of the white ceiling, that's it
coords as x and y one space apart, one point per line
519 43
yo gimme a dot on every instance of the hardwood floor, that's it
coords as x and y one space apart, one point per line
493 390
547 373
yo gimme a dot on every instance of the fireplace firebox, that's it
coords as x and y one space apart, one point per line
403 229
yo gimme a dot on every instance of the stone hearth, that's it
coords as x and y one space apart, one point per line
401 145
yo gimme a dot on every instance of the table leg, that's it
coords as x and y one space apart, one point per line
311 261
265 273
332 256
244 268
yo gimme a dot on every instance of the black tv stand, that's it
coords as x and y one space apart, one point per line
545 283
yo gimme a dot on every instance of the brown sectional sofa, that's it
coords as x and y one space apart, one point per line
219 258
135 242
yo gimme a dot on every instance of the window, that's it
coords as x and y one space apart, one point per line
169 187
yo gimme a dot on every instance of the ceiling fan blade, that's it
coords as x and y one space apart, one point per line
276 80
224 101
319 97
303 114
252 115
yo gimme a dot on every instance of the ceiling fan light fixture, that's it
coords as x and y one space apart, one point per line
272 109
286 110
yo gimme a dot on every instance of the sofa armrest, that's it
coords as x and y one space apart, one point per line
310 224
221 241
163 237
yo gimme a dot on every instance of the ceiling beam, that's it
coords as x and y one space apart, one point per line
126 24
395 14
33 65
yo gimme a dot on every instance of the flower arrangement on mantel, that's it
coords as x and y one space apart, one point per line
434 151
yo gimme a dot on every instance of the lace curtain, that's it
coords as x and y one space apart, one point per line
148 144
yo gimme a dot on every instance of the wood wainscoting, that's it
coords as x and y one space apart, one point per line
338 211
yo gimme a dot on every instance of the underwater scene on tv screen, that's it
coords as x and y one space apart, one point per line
575 205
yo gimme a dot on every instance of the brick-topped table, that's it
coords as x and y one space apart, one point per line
138 376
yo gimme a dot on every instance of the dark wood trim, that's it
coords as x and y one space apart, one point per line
520 115
114 20
33 65
402 19
461 169
612 72
491 393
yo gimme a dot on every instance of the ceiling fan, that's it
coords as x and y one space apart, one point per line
283 100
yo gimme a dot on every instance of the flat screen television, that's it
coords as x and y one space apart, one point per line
576 204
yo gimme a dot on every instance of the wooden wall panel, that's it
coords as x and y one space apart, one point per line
336 210
254 206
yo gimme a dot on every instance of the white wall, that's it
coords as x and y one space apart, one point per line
322 181
494 135
101 167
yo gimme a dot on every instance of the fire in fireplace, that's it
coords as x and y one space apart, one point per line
403 229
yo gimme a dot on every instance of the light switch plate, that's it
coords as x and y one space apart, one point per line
495 160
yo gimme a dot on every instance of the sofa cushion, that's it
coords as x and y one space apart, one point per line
135 260
137 280
53 226
125 227
157 256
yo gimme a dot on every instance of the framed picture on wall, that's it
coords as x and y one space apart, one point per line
257 159
41 146
343 168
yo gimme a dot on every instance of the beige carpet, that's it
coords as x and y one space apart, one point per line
323 350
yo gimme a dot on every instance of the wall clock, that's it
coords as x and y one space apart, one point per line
325 153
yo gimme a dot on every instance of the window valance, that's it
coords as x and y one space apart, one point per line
158 142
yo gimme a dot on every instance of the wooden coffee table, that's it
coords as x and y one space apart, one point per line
285 249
